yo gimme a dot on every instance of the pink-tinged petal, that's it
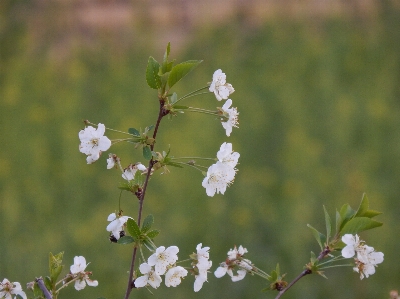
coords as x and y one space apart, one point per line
80 285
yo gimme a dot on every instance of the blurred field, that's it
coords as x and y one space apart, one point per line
319 102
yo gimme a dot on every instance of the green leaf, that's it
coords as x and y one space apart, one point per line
318 236
313 257
181 107
149 245
133 228
152 77
125 240
55 265
147 223
359 224
167 65
47 283
181 70
148 129
147 153
346 212
328 225
363 209
338 222
152 234
134 132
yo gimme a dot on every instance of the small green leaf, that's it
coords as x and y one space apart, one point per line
318 236
153 233
147 153
152 77
133 228
167 65
149 245
148 129
328 225
125 240
363 209
147 223
138 178
174 98
55 265
181 107
134 132
48 283
359 224
181 70
346 212
338 222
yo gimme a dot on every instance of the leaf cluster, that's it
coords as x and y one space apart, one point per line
143 235
165 75
348 221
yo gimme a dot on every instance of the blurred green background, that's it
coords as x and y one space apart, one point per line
318 91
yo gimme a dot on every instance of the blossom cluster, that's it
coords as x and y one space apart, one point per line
163 262
221 174
235 261
8 289
366 257
222 90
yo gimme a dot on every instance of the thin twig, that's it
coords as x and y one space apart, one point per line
41 285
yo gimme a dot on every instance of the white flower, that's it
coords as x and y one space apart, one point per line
174 275
230 118
78 269
219 177
235 260
7 289
163 258
117 224
202 265
93 142
227 156
130 171
150 277
352 243
219 87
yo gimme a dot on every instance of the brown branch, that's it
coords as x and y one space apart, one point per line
162 112
305 272
41 285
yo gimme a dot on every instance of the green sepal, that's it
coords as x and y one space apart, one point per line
48 283
359 224
180 107
364 211
321 239
153 233
181 70
55 266
133 228
134 132
152 77
147 153
125 240
328 225
147 223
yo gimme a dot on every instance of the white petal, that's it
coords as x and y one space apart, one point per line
92 283
111 217
141 281
221 271
80 285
